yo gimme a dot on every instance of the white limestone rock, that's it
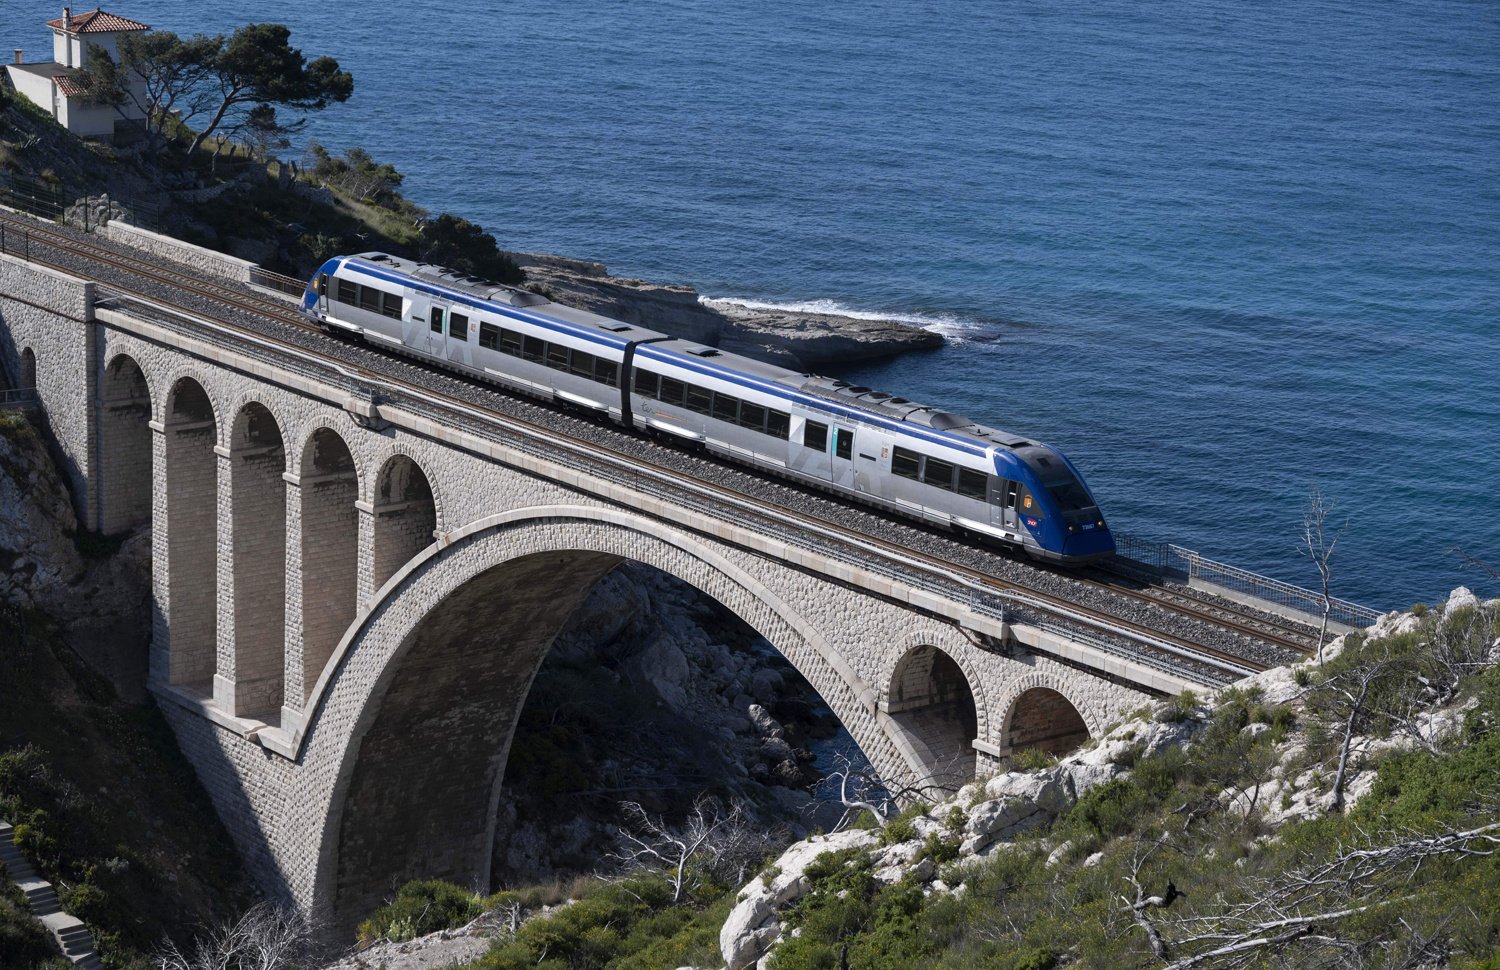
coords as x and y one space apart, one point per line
741 940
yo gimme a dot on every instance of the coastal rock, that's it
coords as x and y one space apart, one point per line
786 338
816 339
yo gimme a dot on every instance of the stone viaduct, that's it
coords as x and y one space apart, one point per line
352 593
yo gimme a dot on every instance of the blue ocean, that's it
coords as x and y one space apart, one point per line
1219 253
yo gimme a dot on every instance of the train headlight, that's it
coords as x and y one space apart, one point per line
1100 523
1072 528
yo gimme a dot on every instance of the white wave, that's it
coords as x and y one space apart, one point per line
953 328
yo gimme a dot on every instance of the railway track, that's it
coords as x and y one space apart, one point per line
1205 606
1228 664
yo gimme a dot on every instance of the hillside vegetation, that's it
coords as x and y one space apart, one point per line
1343 815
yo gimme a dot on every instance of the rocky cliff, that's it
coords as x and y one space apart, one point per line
97 591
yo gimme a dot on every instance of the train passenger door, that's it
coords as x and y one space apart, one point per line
414 328
1004 495
323 284
842 457
458 336
437 340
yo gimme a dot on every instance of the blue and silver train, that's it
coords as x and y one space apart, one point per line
908 458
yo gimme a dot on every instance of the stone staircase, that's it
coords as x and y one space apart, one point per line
71 935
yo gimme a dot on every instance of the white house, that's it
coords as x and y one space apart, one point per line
53 84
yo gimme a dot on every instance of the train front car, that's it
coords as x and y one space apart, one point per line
1058 509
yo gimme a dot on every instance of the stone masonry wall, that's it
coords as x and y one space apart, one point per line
51 315
177 251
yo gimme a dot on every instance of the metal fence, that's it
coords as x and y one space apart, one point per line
289 285
51 200
34 196
1167 558
15 242
18 397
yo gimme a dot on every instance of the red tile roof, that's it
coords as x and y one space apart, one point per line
96 21
69 86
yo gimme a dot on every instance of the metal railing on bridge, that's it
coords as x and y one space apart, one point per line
1168 559
279 282
18 397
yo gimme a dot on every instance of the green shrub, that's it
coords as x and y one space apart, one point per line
1032 759
938 849
1177 709
422 906
900 828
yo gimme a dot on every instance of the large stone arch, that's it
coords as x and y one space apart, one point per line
1042 711
251 666
125 409
412 719
934 704
190 493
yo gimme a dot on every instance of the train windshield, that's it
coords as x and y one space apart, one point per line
1069 494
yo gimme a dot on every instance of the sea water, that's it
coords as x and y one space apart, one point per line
1221 254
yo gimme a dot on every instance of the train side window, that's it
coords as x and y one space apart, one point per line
436 319
347 293
458 326
645 383
390 306
322 287
557 356
369 299
510 343
607 372
673 391
815 435
489 336
726 407
699 400
1012 494
843 443
583 364
752 416
778 424
971 484
938 474
533 349
905 464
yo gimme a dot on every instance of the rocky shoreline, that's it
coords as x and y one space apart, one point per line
794 339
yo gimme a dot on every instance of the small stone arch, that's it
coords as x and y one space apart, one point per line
934 708
449 651
28 368
252 660
1040 713
124 446
327 493
190 505
404 514
174 382
399 450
